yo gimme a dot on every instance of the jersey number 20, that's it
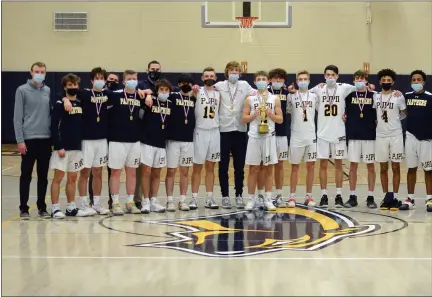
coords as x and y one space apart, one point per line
330 110
209 112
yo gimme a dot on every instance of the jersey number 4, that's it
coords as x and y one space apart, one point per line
209 112
330 110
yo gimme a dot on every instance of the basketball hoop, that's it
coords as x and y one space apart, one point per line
246 25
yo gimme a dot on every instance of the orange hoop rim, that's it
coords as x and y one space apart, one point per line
247 22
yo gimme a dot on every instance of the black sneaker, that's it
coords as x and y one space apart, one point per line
137 204
44 214
370 202
75 213
387 202
429 205
324 201
338 201
407 204
396 204
24 215
352 202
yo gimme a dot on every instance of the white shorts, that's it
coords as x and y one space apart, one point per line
389 149
95 153
261 150
328 150
206 145
308 153
71 162
361 149
152 156
418 153
121 154
179 153
282 147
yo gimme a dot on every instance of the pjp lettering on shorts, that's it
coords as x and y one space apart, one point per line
187 161
397 157
215 156
79 164
103 160
283 155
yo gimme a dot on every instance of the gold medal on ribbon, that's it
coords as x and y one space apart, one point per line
98 119
131 117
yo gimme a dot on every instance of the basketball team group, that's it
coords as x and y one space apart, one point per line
137 128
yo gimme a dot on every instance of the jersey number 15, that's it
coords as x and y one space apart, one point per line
209 112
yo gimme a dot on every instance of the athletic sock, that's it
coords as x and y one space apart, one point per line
130 198
251 196
261 192
209 194
428 197
268 195
353 193
395 195
278 192
323 191
55 207
370 193
293 195
96 200
71 206
115 198
195 195
308 195
411 196
84 201
146 201
182 198
338 191
170 199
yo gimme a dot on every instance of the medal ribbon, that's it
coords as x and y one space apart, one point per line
98 105
361 105
133 105
163 117
334 95
186 111
232 97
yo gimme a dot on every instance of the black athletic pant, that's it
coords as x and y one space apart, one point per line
234 143
90 188
39 151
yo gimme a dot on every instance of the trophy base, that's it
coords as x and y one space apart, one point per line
263 129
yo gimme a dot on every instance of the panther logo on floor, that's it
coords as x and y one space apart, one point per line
243 233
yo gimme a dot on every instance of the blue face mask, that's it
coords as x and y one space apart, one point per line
360 84
277 85
131 84
163 97
38 78
261 85
304 84
417 87
233 78
98 84
330 81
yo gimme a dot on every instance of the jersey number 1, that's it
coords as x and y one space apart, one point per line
209 112
330 110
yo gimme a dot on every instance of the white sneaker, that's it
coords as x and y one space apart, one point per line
155 206
117 209
251 204
291 202
182 205
76 212
100 210
170 206
58 214
145 206
88 210
268 203
130 207
309 202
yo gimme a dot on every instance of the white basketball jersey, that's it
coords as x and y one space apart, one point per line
331 108
207 109
302 107
388 108
254 102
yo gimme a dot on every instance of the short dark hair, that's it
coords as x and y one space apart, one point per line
98 70
261 73
418 72
360 73
39 64
185 78
163 83
152 62
332 68
115 73
386 72
70 78
277 72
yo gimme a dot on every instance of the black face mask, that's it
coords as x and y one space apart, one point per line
209 82
72 91
186 88
386 86
154 75
112 85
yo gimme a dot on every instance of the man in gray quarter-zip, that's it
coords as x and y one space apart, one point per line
32 124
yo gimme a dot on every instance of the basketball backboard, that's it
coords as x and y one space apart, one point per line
223 14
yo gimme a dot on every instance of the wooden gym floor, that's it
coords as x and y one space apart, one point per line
220 252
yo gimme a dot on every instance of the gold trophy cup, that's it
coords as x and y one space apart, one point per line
263 127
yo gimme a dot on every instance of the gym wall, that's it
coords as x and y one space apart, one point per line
127 35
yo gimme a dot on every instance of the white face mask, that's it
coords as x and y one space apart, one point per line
163 97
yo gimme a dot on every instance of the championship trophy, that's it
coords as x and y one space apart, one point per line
263 127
